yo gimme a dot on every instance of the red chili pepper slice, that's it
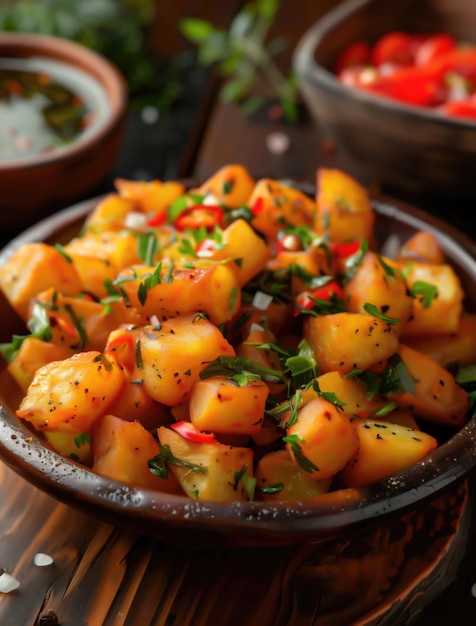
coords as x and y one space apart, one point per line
257 206
191 432
122 348
198 216
344 250
305 300
158 218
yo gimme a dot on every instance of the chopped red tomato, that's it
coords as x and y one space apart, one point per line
415 85
200 215
355 54
433 47
395 47
461 108
361 77
461 61
191 432
420 70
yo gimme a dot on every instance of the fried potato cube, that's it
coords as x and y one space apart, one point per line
231 185
79 323
322 439
33 268
275 205
70 395
423 246
208 471
279 478
121 450
33 354
344 210
220 405
212 289
383 450
440 314
173 357
100 257
353 395
376 280
109 214
347 341
458 347
436 395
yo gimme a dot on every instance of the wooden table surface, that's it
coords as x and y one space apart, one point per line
101 575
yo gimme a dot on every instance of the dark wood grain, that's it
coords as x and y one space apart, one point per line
101 576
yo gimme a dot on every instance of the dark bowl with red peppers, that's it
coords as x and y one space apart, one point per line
409 151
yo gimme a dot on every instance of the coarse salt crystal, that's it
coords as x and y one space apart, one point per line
8 583
42 560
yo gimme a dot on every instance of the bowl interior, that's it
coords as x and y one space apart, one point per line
178 518
77 68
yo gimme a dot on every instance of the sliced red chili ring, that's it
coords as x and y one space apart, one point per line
157 219
345 249
191 432
200 215
305 300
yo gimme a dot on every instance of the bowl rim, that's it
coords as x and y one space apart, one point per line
106 75
163 515
308 69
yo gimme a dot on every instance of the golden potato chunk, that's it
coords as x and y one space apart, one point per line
121 450
344 210
435 396
384 449
376 281
222 406
207 471
33 268
438 314
173 357
70 395
278 478
322 440
347 341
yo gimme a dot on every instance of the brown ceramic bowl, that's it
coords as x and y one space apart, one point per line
338 515
32 187
408 148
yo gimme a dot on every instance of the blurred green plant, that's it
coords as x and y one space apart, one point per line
245 56
117 29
